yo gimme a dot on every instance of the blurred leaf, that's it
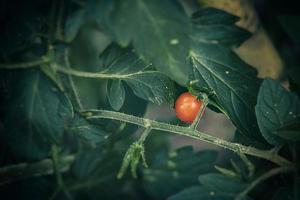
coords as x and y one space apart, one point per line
227 172
146 82
276 107
213 26
234 83
283 193
95 170
289 132
94 163
39 187
221 183
291 24
115 94
73 24
177 170
199 192
213 187
53 75
36 117
84 54
158 30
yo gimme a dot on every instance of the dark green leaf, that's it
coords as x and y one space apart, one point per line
73 24
158 30
146 82
115 94
88 132
202 193
53 75
221 183
84 54
36 116
276 107
234 83
213 26
289 132
176 171
91 163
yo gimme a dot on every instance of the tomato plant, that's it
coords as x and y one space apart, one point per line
88 89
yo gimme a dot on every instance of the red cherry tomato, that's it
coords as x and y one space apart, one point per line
187 107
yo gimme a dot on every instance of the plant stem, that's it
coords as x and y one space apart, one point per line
249 164
262 178
71 81
22 171
144 135
195 123
186 131
25 65
59 179
103 75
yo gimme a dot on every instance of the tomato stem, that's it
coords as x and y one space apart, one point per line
186 131
205 101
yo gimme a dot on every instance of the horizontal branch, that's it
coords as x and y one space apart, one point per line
21 171
100 74
186 131
26 65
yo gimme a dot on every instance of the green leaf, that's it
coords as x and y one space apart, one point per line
115 94
213 26
199 192
92 170
289 132
36 116
170 173
53 75
146 82
73 24
221 183
89 133
94 164
158 30
84 54
233 82
276 107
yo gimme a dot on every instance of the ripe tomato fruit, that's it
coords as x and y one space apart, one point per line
187 107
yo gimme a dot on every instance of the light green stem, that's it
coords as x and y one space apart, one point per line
26 65
195 123
186 131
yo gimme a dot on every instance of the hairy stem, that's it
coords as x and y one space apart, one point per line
195 123
262 178
186 131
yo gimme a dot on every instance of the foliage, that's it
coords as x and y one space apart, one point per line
76 79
